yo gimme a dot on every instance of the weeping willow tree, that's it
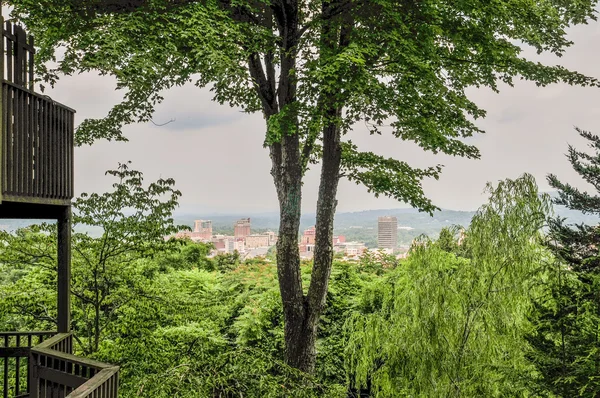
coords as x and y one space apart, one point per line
446 325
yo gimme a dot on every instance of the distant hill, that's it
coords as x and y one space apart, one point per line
364 219
359 226
362 225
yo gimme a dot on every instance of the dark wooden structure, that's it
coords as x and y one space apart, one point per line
36 182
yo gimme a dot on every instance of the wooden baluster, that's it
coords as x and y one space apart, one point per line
54 153
7 141
18 368
31 54
9 53
72 154
37 145
5 393
44 149
2 114
18 57
10 144
64 149
27 147
61 152
29 364
16 142
22 139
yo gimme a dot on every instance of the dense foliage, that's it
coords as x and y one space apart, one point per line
567 316
313 69
450 323
463 316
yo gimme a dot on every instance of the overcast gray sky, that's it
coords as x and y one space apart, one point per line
215 152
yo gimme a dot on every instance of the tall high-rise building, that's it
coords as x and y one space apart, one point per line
202 230
387 232
241 228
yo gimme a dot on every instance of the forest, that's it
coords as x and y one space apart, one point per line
496 309
506 306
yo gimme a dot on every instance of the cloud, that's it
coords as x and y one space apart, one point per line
195 121
215 152
511 115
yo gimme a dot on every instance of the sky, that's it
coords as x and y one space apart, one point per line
215 153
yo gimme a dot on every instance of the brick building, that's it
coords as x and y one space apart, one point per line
241 228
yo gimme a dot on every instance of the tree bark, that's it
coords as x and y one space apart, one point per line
301 313
287 174
332 39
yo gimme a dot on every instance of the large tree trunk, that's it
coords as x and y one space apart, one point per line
288 180
301 313
299 333
326 205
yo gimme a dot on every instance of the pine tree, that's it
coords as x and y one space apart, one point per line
565 340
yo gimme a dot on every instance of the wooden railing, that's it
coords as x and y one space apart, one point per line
14 354
41 365
37 147
37 132
20 51
56 373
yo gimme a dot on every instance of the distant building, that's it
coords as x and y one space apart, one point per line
259 252
387 232
220 242
350 249
241 228
307 245
308 237
235 245
307 250
202 230
272 238
339 239
256 240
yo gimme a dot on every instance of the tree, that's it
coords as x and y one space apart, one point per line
314 69
443 325
447 240
579 245
132 221
28 259
567 316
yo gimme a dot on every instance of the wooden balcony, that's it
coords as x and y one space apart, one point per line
36 136
37 148
42 365
36 182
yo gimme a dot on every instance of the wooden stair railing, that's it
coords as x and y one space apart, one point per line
36 132
41 365
57 373
14 361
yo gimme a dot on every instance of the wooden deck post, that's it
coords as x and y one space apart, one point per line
64 270
2 129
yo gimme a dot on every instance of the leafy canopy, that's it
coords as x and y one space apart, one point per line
132 220
444 325
398 63
567 314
